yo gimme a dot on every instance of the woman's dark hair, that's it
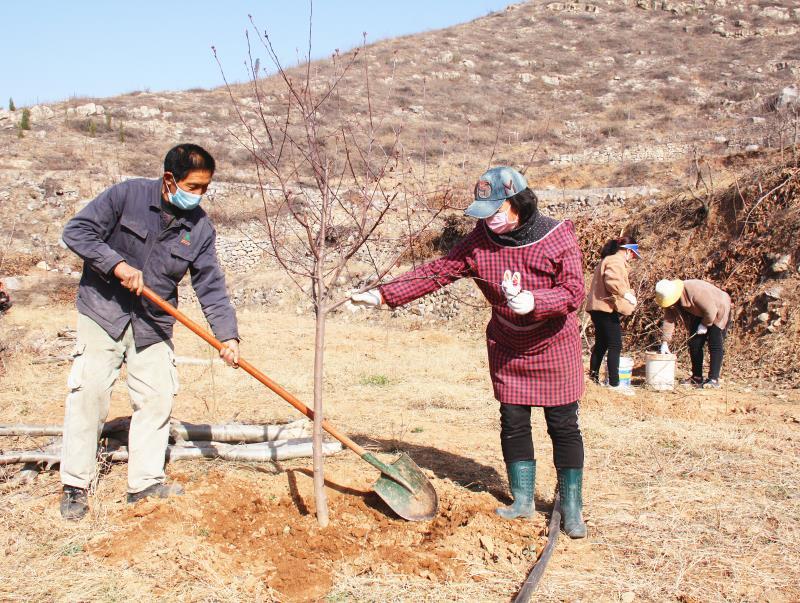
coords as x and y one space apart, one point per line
185 158
612 246
525 203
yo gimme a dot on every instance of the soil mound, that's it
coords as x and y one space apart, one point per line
269 537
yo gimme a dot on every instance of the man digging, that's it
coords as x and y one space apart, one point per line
136 232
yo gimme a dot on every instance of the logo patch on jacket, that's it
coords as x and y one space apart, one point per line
187 239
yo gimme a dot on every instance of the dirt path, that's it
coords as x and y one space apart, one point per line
690 496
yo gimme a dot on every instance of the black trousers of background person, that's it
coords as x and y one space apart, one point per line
607 338
562 427
716 339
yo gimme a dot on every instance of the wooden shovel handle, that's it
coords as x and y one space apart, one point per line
249 368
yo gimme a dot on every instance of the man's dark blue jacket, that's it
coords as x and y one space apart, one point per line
124 223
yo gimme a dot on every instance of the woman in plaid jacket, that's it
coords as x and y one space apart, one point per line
528 266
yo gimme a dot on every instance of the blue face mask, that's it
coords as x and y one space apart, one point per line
183 199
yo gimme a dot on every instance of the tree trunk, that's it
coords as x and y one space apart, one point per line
320 499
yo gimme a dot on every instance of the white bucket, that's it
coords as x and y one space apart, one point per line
659 370
625 371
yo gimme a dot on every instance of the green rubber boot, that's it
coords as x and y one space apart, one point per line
521 480
570 488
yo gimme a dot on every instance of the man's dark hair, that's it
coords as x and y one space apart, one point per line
525 203
185 158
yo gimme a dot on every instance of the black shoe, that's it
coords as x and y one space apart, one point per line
711 384
74 503
695 382
162 490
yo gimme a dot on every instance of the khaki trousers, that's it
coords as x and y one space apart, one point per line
152 384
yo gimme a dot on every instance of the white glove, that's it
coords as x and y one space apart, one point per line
511 284
664 348
701 329
630 297
522 302
519 300
370 299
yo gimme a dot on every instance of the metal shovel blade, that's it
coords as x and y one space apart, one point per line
404 487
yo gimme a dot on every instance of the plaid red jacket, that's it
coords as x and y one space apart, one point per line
534 359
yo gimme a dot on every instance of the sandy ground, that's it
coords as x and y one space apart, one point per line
690 495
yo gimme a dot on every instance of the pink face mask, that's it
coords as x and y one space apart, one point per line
499 223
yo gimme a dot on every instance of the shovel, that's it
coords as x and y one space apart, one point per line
402 485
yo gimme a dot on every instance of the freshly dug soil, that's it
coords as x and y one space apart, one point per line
262 529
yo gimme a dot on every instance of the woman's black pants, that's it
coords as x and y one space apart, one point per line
607 338
562 427
716 339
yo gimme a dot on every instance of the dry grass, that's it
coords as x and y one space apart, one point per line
685 497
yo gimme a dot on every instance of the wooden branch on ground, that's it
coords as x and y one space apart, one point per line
279 450
181 430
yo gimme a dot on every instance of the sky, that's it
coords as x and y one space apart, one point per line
92 48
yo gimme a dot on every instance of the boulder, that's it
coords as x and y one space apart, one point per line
41 112
788 96
88 110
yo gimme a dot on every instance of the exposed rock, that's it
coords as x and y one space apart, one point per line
89 109
446 57
788 96
763 317
780 263
42 265
776 12
550 80
41 112
143 112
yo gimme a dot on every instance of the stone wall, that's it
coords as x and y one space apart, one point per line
604 156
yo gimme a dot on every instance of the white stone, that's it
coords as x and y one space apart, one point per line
468 64
627 597
87 110
41 112
446 57
12 283
763 317
550 80
788 96
42 265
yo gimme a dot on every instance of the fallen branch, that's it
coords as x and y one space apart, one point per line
280 450
180 430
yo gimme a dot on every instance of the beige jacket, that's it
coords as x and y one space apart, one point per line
699 298
609 284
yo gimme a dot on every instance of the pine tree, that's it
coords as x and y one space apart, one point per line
25 122
11 105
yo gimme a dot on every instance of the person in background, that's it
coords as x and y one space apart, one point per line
136 233
528 266
611 296
705 311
